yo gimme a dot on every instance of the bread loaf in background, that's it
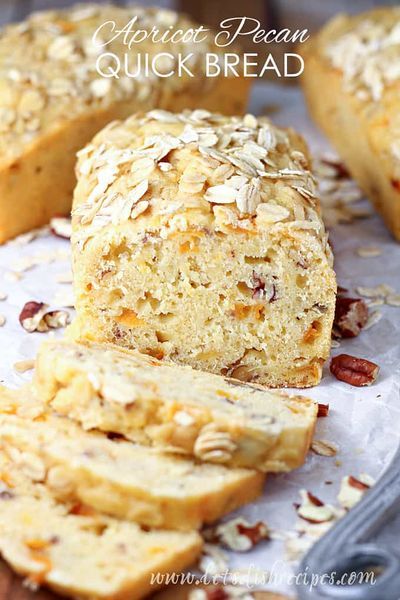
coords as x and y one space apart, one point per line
351 82
53 100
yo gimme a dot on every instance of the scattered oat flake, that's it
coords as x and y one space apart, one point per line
373 319
375 302
360 213
2 320
379 291
64 277
27 237
393 299
64 298
296 547
3 296
324 448
12 276
24 264
369 251
24 365
213 561
335 344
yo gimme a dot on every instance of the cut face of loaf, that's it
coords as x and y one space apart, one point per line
120 478
178 409
355 61
198 238
53 99
78 552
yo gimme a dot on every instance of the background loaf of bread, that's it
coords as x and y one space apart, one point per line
53 100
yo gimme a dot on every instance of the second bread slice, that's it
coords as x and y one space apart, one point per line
121 478
175 408
79 554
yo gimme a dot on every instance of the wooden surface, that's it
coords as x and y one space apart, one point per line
12 588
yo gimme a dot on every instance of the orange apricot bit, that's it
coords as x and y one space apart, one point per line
241 311
396 184
47 565
129 318
312 332
259 311
157 353
7 479
82 510
37 543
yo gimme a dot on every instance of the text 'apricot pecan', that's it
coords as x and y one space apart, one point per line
353 370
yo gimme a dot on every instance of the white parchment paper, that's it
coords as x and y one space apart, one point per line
363 422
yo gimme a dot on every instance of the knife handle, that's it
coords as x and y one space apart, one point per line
347 548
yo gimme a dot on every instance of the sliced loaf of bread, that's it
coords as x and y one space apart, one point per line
175 408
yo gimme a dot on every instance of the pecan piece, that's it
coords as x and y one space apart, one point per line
312 509
55 319
61 227
395 184
31 316
324 448
323 410
354 371
237 534
341 290
352 490
341 171
6 495
351 315
35 316
217 593
255 533
356 483
262 289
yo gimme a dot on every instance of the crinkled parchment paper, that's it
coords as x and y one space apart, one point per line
363 422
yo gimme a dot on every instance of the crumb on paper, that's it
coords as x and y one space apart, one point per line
22 366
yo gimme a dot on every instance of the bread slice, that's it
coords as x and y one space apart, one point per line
81 553
120 478
176 408
207 248
351 82
56 93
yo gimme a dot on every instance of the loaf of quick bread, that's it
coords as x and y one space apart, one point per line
175 408
198 238
119 478
77 551
54 96
352 85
